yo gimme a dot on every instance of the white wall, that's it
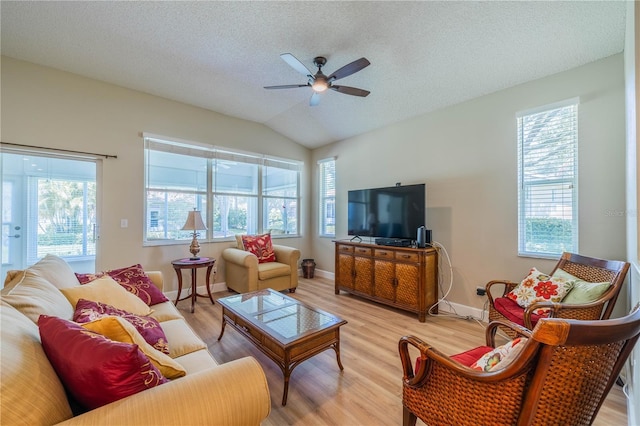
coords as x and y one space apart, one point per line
45 107
466 154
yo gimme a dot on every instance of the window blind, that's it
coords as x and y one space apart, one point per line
547 180
327 202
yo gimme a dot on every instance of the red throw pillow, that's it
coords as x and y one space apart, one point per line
94 369
148 327
261 246
134 280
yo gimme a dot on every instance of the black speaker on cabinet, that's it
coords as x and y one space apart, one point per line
423 237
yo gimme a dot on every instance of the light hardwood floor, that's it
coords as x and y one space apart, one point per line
369 390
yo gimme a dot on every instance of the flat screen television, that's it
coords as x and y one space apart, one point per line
392 212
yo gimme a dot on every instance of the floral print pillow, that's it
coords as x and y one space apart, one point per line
500 356
540 287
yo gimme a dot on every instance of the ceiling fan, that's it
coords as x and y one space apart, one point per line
320 82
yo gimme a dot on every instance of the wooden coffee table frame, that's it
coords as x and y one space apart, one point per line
286 353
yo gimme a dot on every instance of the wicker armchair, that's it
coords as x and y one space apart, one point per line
562 375
586 268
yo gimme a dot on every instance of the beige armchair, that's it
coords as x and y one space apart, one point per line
244 274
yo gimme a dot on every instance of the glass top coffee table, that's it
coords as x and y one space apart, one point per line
286 330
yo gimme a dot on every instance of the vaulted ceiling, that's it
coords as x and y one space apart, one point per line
425 55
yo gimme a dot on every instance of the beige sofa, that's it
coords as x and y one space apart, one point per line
234 393
244 274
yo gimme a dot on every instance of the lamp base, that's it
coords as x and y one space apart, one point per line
194 258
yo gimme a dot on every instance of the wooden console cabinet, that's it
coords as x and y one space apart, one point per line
402 277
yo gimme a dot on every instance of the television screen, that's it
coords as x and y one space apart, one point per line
393 212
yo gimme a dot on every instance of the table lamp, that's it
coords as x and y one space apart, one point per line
194 223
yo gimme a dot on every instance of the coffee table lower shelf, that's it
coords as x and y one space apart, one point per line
287 353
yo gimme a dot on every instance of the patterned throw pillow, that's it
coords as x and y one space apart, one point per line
119 330
133 279
261 246
149 328
500 356
82 359
539 287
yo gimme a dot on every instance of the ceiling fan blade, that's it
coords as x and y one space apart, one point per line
296 64
287 86
315 99
350 90
349 69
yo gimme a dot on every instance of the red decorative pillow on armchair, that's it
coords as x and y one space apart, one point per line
261 246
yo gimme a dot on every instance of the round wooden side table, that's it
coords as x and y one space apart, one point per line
186 263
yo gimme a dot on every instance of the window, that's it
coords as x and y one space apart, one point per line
547 180
327 202
48 207
236 192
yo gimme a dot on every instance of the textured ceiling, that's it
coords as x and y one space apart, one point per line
424 55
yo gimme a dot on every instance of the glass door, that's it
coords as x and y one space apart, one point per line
48 206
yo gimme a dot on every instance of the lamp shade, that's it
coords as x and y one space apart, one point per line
194 221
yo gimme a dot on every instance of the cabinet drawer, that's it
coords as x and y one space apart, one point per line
345 249
363 250
407 257
384 254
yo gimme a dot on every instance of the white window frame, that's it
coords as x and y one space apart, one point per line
208 194
548 179
327 197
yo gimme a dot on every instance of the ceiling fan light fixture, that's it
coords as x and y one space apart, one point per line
320 85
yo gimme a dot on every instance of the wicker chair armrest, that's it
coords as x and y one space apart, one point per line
506 284
493 326
584 311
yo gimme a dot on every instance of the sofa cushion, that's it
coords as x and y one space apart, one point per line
272 270
32 393
33 295
539 287
197 361
55 270
148 327
118 329
582 291
183 339
260 246
133 279
94 369
166 311
106 290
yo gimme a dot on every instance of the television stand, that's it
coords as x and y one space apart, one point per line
403 277
393 242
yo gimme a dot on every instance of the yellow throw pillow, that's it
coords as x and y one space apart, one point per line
118 329
107 290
